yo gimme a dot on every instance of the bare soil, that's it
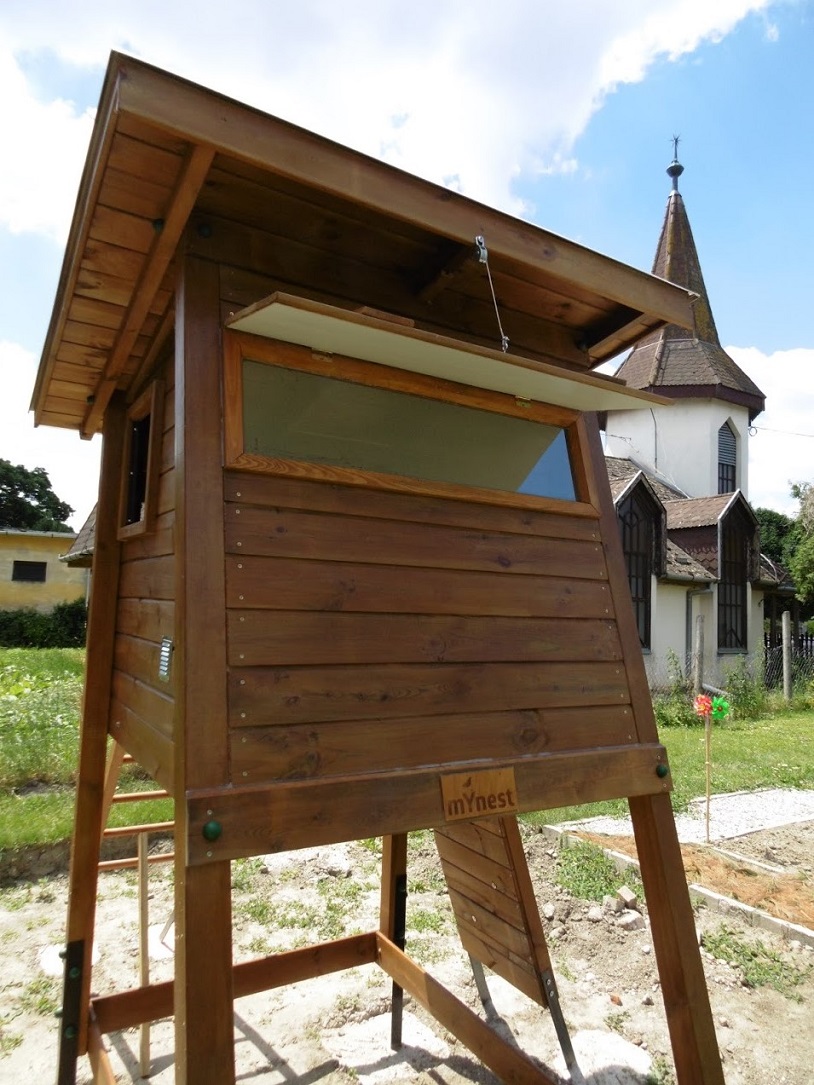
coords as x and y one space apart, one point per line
334 1030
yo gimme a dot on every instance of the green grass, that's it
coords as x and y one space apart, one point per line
759 966
776 751
587 872
40 698
40 693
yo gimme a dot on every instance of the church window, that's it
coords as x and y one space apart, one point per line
734 573
637 525
727 459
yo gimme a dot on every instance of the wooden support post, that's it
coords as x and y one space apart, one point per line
93 739
144 944
785 624
698 656
686 1001
393 916
204 1012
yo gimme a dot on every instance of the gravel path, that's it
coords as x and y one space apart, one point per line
730 815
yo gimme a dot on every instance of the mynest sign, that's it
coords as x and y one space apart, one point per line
479 794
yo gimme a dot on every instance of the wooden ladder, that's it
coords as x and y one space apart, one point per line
496 912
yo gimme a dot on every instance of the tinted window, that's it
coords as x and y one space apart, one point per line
303 416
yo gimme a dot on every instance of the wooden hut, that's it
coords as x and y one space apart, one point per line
356 567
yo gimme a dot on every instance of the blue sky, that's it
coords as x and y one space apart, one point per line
560 113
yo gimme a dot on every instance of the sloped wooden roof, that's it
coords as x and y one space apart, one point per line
166 153
669 360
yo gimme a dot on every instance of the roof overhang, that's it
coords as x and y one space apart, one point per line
165 151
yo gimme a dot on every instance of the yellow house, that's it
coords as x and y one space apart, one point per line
31 574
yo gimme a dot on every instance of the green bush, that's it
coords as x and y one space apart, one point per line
64 627
747 694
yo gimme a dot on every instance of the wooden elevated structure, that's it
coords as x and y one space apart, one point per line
356 567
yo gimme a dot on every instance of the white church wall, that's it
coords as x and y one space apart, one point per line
680 442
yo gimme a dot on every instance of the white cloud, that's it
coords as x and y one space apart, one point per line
474 91
782 449
72 464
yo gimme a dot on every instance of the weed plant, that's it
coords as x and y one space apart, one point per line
585 871
759 966
40 692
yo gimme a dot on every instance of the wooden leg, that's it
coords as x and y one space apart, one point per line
204 1012
392 916
686 1001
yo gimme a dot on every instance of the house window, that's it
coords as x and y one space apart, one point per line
637 526
732 585
31 571
139 493
727 459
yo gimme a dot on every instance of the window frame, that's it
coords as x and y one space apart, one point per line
642 600
728 471
733 575
148 405
29 579
242 346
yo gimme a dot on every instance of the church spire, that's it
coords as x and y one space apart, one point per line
674 361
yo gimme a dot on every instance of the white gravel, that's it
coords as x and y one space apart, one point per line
731 815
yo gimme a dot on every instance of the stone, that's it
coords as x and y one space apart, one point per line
548 911
628 898
612 904
647 1000
631 921
595 914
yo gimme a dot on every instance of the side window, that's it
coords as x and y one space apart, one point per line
139 491
31 571
638 528
727 459
732 624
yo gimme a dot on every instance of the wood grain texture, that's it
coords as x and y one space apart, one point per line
204 1041
311 638
686 1000
309 750
296 534
295 584
259 696
292 815
507 1061
90 785
244 488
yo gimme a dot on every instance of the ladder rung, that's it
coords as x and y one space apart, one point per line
134 830
140 796
122 864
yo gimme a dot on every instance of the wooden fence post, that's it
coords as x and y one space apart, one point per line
786 627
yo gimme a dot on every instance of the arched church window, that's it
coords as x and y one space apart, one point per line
727 459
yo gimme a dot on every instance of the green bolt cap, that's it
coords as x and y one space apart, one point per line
662 770
71 1032
212 830
74 973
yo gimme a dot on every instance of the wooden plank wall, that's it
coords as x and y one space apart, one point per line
142 704
372 631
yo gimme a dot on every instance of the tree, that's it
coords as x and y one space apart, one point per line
27 502
779 535
801 562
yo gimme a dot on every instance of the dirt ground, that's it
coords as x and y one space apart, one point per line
335 1030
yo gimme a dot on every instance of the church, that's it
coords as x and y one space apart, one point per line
679 475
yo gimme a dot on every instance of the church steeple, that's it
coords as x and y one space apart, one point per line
673 361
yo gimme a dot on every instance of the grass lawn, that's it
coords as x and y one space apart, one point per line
40 692
40 696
